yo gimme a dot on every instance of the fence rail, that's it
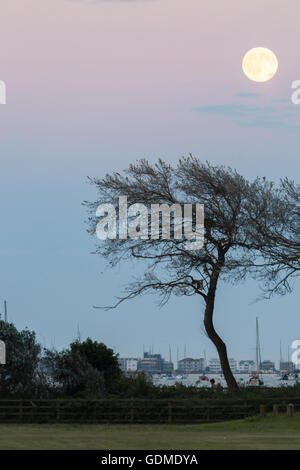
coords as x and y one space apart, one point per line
137 410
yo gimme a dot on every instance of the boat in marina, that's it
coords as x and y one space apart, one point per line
289 377
201 379
256 380
204 377
170 378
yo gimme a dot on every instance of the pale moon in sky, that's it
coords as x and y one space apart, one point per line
260 64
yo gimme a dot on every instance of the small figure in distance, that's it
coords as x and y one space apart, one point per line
212 383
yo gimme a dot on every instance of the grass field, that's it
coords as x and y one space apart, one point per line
255 433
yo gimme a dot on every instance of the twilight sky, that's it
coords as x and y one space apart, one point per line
91 87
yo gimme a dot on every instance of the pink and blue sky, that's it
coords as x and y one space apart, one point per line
95 85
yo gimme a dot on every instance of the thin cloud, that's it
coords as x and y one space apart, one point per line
247 115
248 95
94 2
281 100
234 109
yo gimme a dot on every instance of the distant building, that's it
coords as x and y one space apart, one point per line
132 364
168 367
215 365
247 367
267 366
151 363
122 363
154 364
233 365
191 366
287 366
128 364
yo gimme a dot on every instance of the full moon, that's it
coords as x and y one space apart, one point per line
260 64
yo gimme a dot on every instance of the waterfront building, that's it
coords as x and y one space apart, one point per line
154 364
128 364
267 366
287 366
191 366
247 366
215 365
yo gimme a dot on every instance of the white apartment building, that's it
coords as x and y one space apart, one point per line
215 365
128 364
233 365
190 366
131 365
247 366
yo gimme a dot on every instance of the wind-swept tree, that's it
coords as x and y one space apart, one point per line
230 248
280 242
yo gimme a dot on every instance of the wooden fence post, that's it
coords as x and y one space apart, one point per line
57 411
169 413
262 411
275 410
290 409
21 411
131 411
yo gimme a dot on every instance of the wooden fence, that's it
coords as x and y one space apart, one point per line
136 410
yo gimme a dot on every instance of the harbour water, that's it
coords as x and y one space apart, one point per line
269 380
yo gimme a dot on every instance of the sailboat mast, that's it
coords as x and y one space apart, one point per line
257 346
280 360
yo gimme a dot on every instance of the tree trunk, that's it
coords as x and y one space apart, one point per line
222 351
215 338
